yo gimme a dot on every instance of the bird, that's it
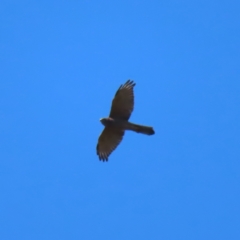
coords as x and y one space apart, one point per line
117 123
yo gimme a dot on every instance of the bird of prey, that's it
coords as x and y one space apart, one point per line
117 122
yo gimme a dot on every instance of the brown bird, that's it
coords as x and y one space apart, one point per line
117 122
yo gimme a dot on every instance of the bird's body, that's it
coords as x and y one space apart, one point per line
126 125
117 122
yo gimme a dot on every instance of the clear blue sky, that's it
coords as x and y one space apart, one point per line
61 63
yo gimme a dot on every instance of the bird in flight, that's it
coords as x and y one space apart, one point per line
117 122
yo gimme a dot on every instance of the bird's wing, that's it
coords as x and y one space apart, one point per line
108 141
123 101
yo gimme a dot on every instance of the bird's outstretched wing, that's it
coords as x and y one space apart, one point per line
108 141
123 101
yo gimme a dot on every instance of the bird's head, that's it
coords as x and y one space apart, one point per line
103 121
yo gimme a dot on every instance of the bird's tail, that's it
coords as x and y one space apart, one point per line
141 129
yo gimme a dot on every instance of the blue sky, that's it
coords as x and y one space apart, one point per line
61 64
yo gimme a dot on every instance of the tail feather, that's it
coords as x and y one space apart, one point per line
141 129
